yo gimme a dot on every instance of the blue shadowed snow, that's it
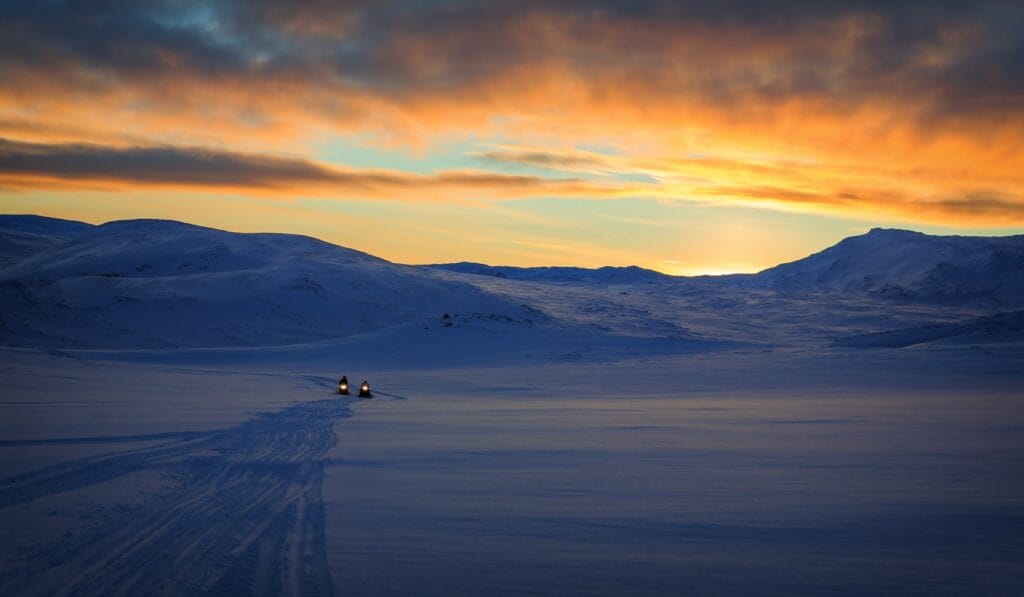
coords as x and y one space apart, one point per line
850 423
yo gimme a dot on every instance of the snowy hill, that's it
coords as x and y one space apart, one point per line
887 264
163 284
157 284
161 248
22 236
904 265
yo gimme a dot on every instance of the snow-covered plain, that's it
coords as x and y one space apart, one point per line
849 423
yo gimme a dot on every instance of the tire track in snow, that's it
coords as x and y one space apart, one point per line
245 515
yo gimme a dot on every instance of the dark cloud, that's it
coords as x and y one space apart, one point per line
995 205
918 99
23 164
168 165
949 57
123 40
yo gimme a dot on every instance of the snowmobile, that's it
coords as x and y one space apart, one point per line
364 390
343 386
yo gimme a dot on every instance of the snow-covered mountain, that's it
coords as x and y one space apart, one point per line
905 265
163 284
883 263
155 284
23 236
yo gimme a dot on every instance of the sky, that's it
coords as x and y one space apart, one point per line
687 137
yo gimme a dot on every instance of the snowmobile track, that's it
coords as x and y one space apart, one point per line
243 515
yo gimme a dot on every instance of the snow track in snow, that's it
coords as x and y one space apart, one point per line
243 515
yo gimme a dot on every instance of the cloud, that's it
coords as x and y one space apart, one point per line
344 62
986 209
923 196
543 159
978 209
831 105
78 166
69 166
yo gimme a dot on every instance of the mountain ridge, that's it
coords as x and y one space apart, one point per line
167 284
903 264
606 274
67 228
156 284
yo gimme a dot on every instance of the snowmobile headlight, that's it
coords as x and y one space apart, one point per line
343 387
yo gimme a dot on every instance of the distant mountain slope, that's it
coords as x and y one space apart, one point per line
900 264
160 248
1002 327
155 284
22 236
605 275
164 284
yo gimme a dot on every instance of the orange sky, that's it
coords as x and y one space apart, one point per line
454 125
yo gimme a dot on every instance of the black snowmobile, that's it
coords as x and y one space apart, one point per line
364 390
343 386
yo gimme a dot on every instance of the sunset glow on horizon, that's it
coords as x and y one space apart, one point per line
692 137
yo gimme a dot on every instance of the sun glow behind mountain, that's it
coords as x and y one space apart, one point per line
685 137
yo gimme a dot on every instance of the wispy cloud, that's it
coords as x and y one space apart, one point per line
566 161
199 168
789 186
843 188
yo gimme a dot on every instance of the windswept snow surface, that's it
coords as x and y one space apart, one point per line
661 479
130 480
169 422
